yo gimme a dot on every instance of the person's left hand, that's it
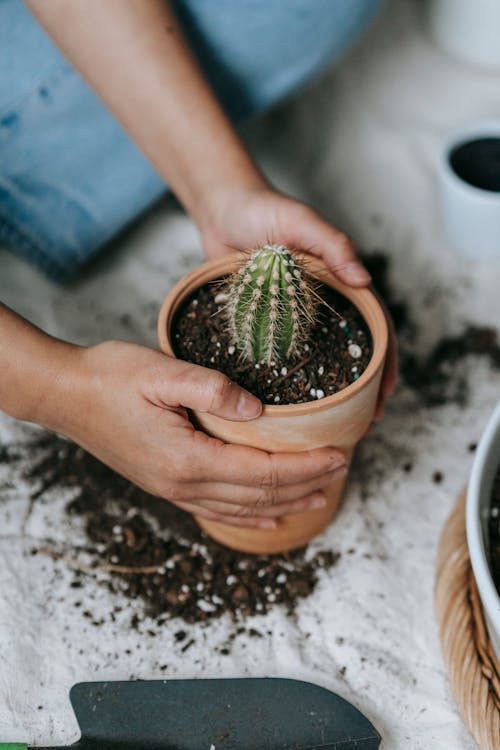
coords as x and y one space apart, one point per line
246 218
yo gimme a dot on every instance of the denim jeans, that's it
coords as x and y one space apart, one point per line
70 177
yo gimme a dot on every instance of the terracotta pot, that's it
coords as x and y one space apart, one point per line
339 420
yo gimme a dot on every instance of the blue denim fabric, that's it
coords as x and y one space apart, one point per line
70 178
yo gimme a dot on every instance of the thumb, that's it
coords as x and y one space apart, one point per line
336 249
207 390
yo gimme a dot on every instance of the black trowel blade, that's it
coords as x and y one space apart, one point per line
241 714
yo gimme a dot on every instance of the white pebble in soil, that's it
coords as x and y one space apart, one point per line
355 351
231 349
320 393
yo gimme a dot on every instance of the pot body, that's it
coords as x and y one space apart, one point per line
485 466
470 215
467 29
339 420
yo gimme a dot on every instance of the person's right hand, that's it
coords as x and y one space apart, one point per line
127 405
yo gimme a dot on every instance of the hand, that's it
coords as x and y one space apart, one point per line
243 219
128 406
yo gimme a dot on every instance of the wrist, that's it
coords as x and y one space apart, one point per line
226 200
36 369
49 394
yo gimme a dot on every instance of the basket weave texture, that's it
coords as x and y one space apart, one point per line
471 663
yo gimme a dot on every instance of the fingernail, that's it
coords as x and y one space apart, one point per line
248 407
318 502
357 272
337 472
267 523
338 462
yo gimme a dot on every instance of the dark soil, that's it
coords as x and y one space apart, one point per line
148 550
436 377
335 355
145 549
494 531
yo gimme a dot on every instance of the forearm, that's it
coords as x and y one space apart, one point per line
34 371
134 56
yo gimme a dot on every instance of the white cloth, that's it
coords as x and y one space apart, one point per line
362 146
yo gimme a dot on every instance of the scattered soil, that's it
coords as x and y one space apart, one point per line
437 477
435 378
335 355
494 531
147 550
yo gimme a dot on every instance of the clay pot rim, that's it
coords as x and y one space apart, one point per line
361 298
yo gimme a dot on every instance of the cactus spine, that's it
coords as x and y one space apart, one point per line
271 305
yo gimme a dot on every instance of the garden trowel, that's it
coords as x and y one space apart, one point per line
240 714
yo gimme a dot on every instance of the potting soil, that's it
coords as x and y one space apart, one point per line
335 354
494 530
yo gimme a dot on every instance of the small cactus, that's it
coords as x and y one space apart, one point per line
270 305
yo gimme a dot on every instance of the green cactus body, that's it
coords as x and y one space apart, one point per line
270 305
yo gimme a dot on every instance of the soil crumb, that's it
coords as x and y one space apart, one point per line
147 550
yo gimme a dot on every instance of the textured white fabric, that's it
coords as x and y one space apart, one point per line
362 146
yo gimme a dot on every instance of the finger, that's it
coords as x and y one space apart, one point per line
260 523
334 247
390 376
380 409
212 460
311 501
391 367
206 390
267 498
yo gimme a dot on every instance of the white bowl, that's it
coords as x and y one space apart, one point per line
484 469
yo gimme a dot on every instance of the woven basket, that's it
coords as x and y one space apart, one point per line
472 666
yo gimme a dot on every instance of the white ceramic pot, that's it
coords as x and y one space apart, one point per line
486 464
467 29
470 216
